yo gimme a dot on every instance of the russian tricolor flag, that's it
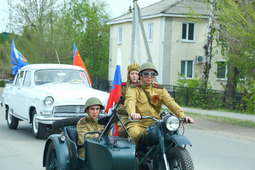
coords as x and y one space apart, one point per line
77 61
17 59
116 90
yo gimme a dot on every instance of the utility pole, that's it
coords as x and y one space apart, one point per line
135 32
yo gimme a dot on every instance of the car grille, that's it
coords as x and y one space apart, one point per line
77 109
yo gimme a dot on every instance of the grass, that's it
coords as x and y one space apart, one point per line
225 110
244 123
233 121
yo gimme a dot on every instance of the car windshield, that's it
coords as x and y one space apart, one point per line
60 76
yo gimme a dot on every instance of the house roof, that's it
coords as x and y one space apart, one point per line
174 8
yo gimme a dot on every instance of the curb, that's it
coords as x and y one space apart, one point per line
239 116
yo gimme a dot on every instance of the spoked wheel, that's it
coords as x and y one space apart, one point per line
179 159
39 129
51 160
12 121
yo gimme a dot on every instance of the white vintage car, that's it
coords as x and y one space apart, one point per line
43 93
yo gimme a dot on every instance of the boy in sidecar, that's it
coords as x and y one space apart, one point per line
89 123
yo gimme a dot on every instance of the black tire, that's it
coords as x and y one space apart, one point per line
51 159
65 122
39 130
12 121
179 158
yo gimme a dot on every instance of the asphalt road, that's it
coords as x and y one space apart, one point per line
215 146
19 150
218 146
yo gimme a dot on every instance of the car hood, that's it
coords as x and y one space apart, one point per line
68 93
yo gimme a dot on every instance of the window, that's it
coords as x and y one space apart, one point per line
120 35
188 31
150 31
19 78
27 80
187 68
221 70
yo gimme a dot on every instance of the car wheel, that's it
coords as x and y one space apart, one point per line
51 159
39 129
12 121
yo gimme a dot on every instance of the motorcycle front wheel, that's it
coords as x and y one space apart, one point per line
179 158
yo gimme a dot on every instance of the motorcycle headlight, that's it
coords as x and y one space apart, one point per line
48 101
172 123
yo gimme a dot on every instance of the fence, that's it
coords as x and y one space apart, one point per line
103 85
207 98
194 97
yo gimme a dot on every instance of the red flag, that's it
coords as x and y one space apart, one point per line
77 61
115 91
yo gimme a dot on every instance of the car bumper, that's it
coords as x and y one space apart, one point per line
50 119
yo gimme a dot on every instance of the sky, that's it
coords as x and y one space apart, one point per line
117 8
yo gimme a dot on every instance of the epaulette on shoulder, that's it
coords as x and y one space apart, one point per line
158 86
83 120
133 85
123 84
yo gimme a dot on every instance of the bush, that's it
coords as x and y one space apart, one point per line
250 101
2 83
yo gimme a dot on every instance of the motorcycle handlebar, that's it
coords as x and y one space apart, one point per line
145 117
182 119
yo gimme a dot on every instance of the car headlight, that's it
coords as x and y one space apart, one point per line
48 101
172 123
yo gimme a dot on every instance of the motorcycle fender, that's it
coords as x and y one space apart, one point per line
178 140
62 151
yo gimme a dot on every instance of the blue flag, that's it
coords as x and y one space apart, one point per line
17 59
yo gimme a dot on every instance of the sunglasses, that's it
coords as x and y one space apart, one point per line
149 73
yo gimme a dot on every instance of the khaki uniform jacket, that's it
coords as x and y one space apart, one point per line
122 110
84 125
137 102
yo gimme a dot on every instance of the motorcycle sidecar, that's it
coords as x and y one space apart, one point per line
106 152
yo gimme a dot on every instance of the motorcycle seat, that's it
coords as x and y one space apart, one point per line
72 133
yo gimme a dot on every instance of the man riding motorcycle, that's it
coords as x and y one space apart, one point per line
145 99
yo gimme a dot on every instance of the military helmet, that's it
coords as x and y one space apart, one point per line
147 66
93 101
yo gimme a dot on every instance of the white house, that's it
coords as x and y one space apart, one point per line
175 42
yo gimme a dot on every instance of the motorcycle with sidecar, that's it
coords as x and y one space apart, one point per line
160 147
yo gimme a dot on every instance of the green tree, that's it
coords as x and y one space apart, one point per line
237 38
92 34
47 26
5 64
40 32
208 47
210 40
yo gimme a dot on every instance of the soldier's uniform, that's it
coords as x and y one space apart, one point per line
84 125
88 124
122 110
137 102
122 113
